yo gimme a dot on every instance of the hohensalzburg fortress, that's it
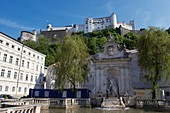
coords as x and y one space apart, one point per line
93 24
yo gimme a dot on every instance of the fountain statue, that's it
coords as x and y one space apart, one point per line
112 89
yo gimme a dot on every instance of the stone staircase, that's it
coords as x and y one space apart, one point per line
112 103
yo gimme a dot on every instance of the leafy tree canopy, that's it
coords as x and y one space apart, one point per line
130 40
154 55
72 59
43 46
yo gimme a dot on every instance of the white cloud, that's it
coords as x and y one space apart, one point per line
13 24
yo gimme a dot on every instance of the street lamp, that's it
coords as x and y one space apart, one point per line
19 69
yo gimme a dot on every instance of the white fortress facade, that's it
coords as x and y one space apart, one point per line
21 67
93 24
25 35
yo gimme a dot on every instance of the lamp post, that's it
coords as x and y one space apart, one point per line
19 70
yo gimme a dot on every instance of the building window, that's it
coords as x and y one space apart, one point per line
28 64
15 75
1 41
37 57
24 51
13 89
19 89
12 46
26 78
25 90
29 53
33 55
40 68
36 79
10 59
18 49
21 76
7 44
31 78
22 63
6 88
17 61
9 74
5 57
0 88
2 72
37 68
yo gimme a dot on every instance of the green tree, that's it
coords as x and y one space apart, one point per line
31 44
42 45
154 56
92 45
100 42
50 57
72 60
130 40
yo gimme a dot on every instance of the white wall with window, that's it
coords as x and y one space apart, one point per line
20 67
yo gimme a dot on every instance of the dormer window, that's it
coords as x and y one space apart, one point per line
7 44
13 46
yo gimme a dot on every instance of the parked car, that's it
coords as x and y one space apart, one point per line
1 97
5 96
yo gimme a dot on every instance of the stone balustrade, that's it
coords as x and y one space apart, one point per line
69 102
142 103
45 103
23 109
149 104
37 101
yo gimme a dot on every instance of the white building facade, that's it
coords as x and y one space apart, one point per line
93 24
21 67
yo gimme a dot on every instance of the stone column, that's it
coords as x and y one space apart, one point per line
37 109
97 85
122 80
102 82
127 87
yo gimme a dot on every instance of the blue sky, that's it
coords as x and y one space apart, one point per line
26 15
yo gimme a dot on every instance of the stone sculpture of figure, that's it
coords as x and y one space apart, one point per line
52 84
110 50
112 87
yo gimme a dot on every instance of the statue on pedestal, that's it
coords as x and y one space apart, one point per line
112 89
